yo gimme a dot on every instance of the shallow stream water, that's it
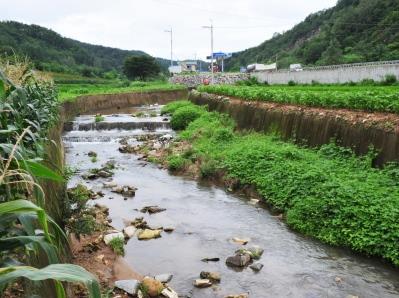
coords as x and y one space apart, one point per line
206 218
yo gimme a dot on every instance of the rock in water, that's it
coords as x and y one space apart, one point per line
239 260
256 267
149 234
202 283
255 252
240 241
214 276
169 293
237 296
129 231
210 260
164 278
109 237
154 287
152 209
130 286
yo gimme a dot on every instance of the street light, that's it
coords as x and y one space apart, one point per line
171 45
211 27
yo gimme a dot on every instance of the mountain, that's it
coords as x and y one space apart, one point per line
352 31
52 52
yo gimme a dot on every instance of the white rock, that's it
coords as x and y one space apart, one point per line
129 231
202 283
130 286
157 145
166 137
169 293
164 278
109 237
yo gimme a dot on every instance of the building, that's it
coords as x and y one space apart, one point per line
190 66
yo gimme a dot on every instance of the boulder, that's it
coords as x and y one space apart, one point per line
153 286
164 278
202 283
237 296
110 185
256 267
129 231
109 237
92 154
168 229
239 260
214 276
130 286
149 234
255 252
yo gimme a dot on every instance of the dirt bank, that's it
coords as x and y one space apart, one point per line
313 126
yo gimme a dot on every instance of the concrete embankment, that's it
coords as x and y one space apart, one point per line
313 126
94 103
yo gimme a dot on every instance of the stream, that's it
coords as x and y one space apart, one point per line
206 218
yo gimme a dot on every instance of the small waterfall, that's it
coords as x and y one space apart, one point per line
143 125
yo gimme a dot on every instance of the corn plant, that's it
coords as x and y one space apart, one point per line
26 231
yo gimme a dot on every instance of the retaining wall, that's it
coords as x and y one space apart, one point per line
332 74
194 80
95 103
313 127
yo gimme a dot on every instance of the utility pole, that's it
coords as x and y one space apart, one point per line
211 27
171 45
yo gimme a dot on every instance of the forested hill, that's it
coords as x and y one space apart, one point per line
50 51
352 31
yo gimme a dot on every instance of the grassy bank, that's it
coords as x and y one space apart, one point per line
326 193
366 98
70 91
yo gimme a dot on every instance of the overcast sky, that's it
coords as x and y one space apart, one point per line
140 24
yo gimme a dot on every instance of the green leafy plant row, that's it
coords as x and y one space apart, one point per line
381 99
327 193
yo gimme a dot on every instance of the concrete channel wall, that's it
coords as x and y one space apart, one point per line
312 127
333 74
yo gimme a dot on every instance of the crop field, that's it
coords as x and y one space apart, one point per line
366 98
70 91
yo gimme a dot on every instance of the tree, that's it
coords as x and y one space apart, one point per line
140 67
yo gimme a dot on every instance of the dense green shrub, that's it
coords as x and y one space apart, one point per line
184 115
170 108
327 193
390 79
176 162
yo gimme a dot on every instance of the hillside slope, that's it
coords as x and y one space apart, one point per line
352 31
52 52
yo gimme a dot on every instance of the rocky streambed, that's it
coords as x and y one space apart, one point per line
195 238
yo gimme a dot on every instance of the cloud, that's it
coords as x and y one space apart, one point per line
140 25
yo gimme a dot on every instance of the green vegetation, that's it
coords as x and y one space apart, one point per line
117 246
71 91
368 98
341 34
327 193
140 67
173 106
184 115
176 163
51 52
28 109
99 118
